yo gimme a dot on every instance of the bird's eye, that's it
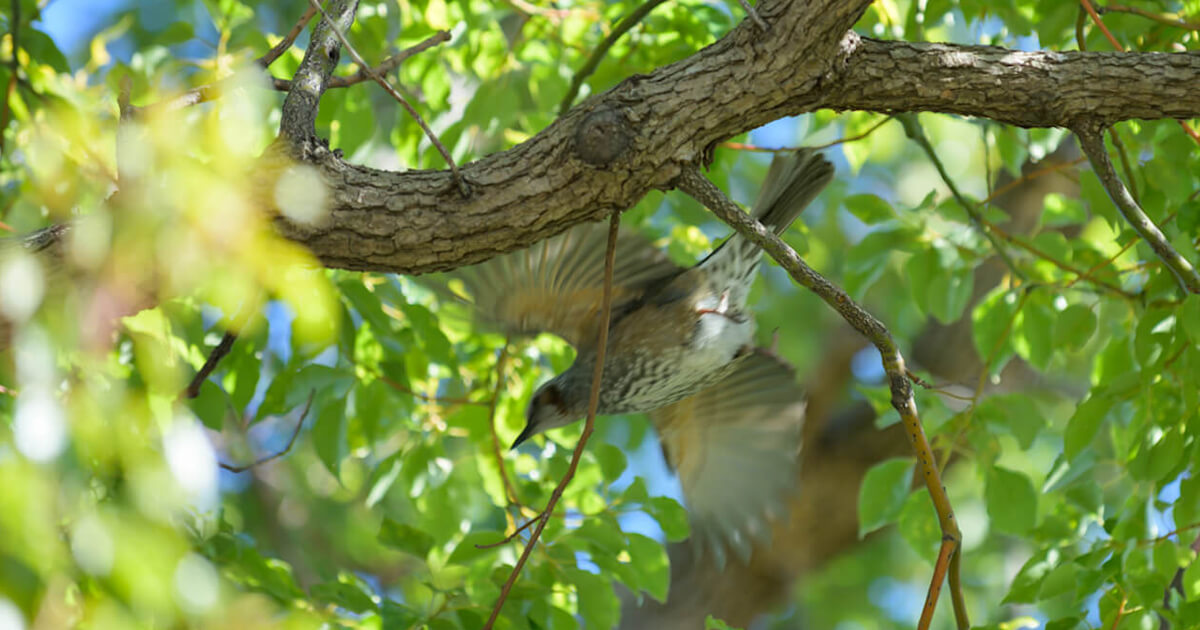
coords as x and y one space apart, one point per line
550 396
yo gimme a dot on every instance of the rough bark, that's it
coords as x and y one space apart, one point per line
610 151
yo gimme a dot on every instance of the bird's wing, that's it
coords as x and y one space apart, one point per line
557 285
735 446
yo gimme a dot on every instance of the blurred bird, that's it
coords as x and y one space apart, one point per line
680 348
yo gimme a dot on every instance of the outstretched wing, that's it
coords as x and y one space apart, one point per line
735 447
557 285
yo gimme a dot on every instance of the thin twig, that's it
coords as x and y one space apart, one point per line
1033 249
1167 20
753 15
1126 165
507 539
913 129
593 60
1093 146
277 51
589 425
1045 170
376 77
500 362
741 146
437 400
692 182
384 67
210 364
280 453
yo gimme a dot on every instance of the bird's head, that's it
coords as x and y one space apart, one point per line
549 409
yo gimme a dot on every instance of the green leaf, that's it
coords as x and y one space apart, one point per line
1187 506
1059 210
1084 424
671 517
712 623
329 433
883 492
612 461
469 549
598 603
1011 501
405 537
648 558
1015 413
1189 316
991 326
869 208
210 405
1033 334
349 592
449 577
1028 581
918 525
1074 326
1191 582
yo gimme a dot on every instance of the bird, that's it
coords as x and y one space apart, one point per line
680 348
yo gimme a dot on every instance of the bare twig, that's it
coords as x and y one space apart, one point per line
277 51
210 364
741 146
384 67
500 363
593 60
692 182
1126 165
280 453
517 530
1092 143
753 15
1032 175
589 425
916 133
376 77
1173 19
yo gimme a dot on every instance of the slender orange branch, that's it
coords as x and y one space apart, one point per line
589 425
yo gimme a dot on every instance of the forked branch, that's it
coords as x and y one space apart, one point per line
693 182
1092 142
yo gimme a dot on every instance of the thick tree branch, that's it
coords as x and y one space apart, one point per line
606 153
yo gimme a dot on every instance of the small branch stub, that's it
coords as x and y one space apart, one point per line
603 136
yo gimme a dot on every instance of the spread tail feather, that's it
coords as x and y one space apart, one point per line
792 183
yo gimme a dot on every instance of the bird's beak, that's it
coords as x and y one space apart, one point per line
525 435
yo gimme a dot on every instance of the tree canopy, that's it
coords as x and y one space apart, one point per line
226 402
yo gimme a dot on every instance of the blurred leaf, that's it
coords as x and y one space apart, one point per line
405 537
612 461
1011 501
329 433
918 525
1084 424
869 208
598 603
649 562
883 492
671 517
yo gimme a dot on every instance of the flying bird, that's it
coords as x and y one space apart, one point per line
680 348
